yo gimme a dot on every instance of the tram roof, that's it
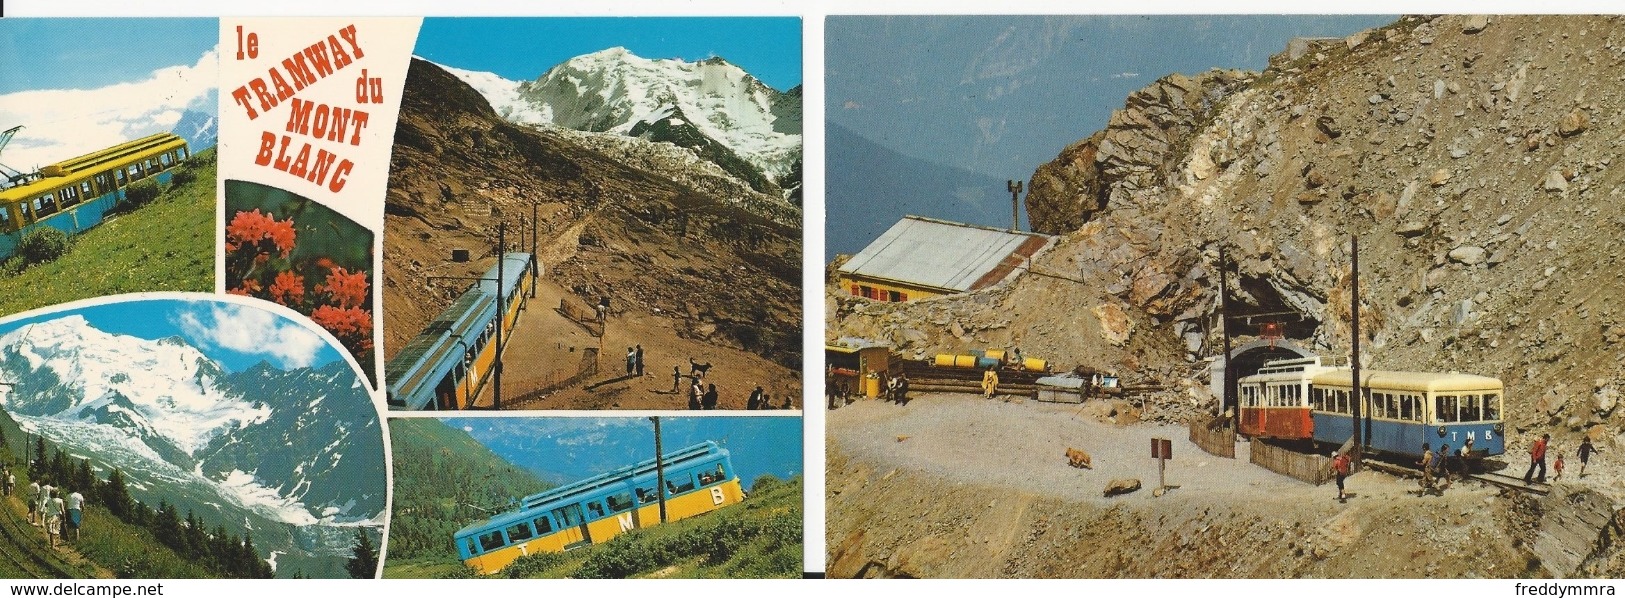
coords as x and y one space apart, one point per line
1412 381
542 500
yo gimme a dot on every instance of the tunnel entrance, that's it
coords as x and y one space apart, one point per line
1250 357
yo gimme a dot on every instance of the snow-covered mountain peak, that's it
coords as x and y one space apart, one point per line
615 90
68 369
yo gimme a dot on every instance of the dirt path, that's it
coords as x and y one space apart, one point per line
981 488
548 347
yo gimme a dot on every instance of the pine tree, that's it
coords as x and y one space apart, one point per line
167 527
116 496
83 478
363 563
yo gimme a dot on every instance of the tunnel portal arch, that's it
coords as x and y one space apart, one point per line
1250 357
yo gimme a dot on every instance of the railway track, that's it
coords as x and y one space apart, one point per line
1513 482
1495 478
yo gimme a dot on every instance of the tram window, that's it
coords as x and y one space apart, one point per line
1405 408
568 516
28 214
519 532
119 175
679 483
1317 399
595 509
181 153
491 540
5 218
1469 408
543 525
84 189
1492 407
1444 408
164 159
646 495
619 502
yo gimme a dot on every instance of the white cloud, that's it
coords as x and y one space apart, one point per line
253 331
59 124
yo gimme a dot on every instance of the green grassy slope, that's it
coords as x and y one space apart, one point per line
165 246
443 478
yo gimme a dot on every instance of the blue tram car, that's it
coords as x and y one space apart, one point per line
1403 410
74 195
447 365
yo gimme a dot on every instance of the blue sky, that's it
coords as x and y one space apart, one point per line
564 449
54 53
235 335
523 48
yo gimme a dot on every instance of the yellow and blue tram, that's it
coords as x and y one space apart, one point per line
74 195
447 365
1405 409
698 479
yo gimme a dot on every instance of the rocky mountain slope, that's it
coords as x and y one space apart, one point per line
638 222
1471 155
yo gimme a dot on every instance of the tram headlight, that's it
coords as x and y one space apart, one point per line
1441 431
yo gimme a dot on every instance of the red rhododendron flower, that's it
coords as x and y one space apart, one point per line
348 289
251 228
352 326
288 289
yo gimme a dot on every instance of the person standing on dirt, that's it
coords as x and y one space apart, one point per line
1585 454
902 389
10 480
640 361
1537 458
694 394
1557 468
709 401
1464 457
631 361
1340 466
990 383
676 377
1427 467
603 308
758 399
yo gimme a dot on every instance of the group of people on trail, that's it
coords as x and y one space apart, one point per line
1437 465
48 508
634 361
1537 459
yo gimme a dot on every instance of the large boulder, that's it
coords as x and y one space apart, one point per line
1122 486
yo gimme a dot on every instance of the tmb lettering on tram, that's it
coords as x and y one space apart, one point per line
1406 409
699 479
74 195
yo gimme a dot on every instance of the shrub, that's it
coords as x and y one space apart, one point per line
765 482
182 175
43 245
141 193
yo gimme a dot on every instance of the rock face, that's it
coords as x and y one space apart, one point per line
1122 486
1138 142
1497 186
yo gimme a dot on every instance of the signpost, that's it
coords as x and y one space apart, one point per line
1162 449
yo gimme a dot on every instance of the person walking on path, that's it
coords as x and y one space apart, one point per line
1537 458
33 503
1585 454
10 479
1427 468
1440 461
1340 466
53 519
76 513
640 361
676 378
1557 468
990 383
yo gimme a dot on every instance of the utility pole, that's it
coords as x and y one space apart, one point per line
1354 304
1014 186
535 260
1229 398
502 311
660 470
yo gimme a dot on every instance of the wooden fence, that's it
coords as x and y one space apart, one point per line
560 379
585 317
1214 436
1311 468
